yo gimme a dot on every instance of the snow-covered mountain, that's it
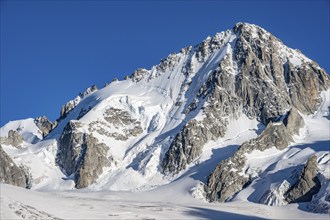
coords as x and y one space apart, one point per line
239 117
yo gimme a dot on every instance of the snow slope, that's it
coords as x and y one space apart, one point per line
26 128
18 203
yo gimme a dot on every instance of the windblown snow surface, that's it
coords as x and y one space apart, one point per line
133 187
164 203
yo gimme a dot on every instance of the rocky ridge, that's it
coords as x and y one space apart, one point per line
73 103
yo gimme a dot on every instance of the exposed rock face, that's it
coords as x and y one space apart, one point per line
93 159
185 148
81 154
260 82
73 103
69 147
293 121
258 76
307 185
305 83
219 94
268 82
275 135
225 181
168 63
228 177
139 74
120 120
10 173
14 139
44 125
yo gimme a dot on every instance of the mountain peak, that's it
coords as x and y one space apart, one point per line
244 26
234 98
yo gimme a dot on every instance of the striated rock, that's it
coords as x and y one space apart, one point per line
210 44
260 77
221 103
305 83
273 78
293 121
225 180
92 161
228 177
70 147
10 173
260 80
81 154
307 185
13 139
185 148
274 135
44 125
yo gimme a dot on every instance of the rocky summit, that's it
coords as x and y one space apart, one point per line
238 117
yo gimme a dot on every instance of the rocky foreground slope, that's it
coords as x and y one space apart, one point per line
241 92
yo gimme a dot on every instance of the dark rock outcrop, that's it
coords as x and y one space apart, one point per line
305 83
13 139
92 161
10 173
82 155
293 121
44 125
307 185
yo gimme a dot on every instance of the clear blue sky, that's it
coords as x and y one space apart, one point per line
52 50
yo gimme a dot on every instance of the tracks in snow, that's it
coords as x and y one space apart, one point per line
28 212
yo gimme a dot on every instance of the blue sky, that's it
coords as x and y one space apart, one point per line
52 50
